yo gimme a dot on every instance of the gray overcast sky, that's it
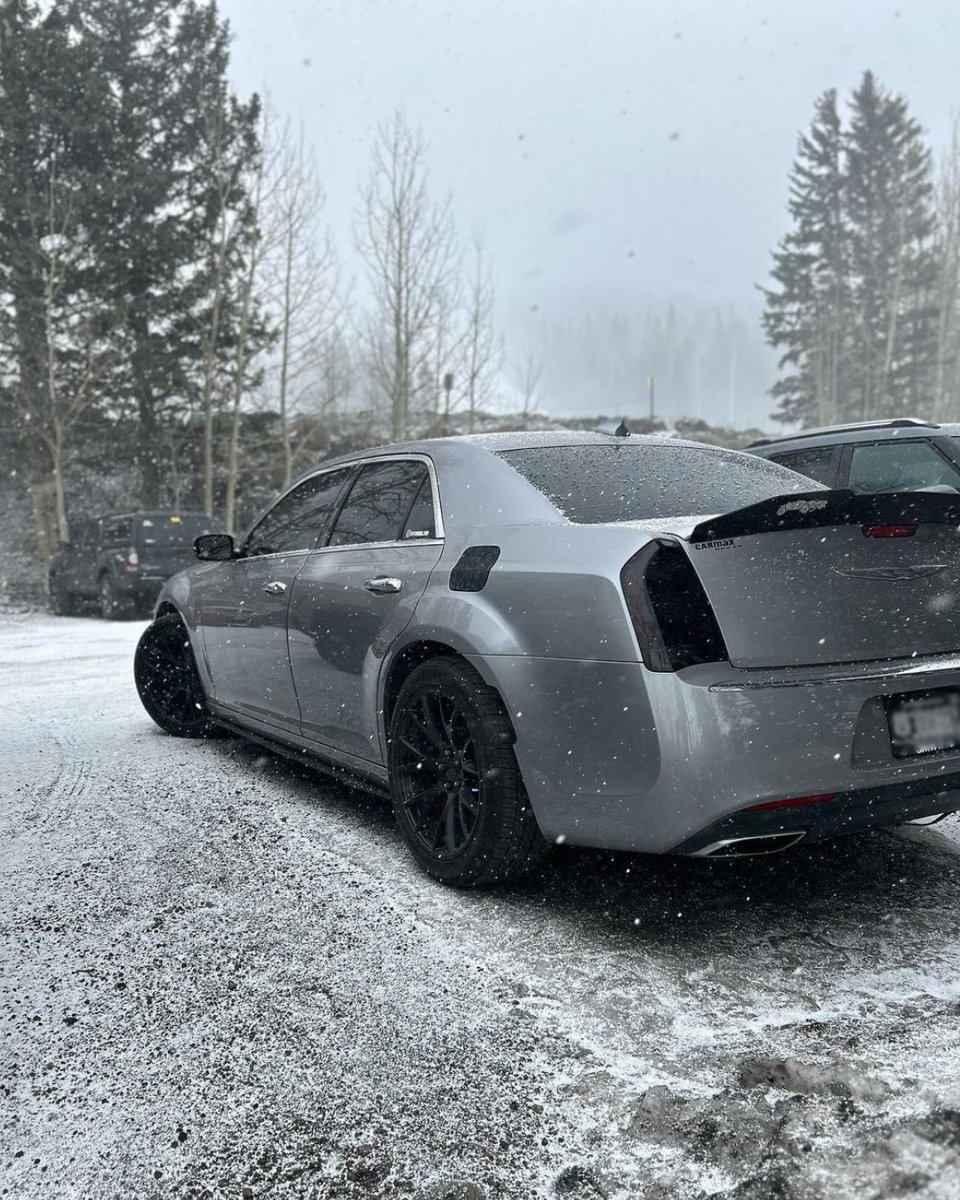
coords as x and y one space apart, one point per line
612 151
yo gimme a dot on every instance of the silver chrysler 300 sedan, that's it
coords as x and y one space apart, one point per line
625 642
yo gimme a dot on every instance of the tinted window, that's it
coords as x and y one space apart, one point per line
172 530
901 467
638 480
379 503
117 531
421 522
298 520
818 463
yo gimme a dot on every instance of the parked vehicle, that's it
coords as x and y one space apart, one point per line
122 560
904 455
536 638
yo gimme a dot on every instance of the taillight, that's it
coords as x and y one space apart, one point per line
132 558
822 798
888 531
671 614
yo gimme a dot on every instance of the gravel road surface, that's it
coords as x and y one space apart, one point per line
221 976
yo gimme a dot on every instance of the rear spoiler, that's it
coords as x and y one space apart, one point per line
810 510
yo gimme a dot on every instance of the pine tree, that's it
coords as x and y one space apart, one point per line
854 312
52 323
178 143
807 315
894 270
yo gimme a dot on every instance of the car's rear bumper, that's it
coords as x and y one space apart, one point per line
618 757
765 830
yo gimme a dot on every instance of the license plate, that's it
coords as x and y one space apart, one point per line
924 722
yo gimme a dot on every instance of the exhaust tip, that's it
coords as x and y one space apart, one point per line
744 847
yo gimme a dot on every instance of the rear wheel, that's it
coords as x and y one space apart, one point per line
458 795
108 598
168 681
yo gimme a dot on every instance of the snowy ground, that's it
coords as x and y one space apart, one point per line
221 976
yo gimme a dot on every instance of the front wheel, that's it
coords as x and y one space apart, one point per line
168 681
458 795
62 602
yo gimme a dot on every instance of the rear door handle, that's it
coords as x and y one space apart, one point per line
276 588
383 585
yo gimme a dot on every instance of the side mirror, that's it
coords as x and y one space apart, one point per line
213 547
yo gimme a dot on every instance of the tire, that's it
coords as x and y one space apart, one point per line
457 792
167 680
107 598
62 602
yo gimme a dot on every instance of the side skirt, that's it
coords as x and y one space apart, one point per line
355 774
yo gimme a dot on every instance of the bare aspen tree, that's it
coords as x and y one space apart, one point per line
74 357
527 373
250 337
226 173
406 240
305 294
482 351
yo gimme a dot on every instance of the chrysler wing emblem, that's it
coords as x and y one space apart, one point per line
920 571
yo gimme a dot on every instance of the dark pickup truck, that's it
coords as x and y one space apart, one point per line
122 560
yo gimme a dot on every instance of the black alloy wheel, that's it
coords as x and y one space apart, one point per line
458 796
108 599
168 682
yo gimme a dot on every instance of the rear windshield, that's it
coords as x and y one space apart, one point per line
173 530
633 481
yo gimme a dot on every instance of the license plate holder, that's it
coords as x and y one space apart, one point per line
922 723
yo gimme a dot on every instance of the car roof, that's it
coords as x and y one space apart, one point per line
841 435
495 443
481 488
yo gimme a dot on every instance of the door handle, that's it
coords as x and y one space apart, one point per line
276 588
383 585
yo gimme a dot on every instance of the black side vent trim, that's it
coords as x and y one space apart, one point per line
473 567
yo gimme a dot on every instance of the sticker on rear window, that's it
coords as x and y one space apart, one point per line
719 544
801 506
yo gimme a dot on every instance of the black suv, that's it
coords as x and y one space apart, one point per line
121 561
901 455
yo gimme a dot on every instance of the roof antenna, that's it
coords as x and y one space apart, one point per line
610 430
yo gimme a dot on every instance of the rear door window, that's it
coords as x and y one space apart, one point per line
818 462
421 523
379 503
897 466
299 518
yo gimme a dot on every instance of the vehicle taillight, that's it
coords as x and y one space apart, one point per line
794 800
132 558
888 531
671 614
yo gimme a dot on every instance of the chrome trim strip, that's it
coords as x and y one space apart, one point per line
377 545
871 675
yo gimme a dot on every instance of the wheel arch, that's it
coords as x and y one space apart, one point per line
401 666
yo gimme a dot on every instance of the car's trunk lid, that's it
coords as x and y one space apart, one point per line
833 577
